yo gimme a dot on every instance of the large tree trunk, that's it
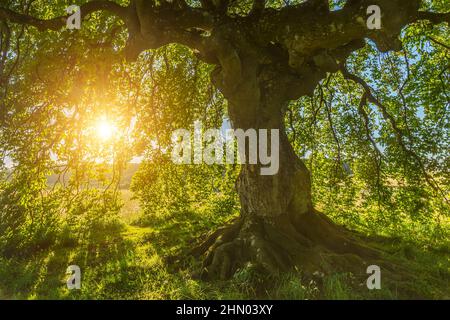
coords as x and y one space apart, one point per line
278 228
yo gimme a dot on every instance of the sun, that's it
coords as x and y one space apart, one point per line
105 129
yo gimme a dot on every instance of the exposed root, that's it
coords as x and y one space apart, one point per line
309 242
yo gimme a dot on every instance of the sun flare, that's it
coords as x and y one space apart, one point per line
105 129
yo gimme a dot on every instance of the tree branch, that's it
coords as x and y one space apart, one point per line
365 117
439 43
434 17
59 22
397 131
258 7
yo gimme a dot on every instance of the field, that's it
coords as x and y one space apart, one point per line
128 260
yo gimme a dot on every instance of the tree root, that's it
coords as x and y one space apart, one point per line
310 242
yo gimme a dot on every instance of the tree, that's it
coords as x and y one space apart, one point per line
265 56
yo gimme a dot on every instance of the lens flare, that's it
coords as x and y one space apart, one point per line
105 129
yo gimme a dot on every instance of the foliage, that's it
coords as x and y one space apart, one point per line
164 188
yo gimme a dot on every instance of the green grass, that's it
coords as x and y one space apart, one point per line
123 260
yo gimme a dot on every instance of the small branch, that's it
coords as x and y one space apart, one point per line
365 117
439 43
333 130
258 7
291 124
433 17
207 5
378 159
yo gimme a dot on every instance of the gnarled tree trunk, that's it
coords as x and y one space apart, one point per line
278 228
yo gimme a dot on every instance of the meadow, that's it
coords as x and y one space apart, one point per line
129 259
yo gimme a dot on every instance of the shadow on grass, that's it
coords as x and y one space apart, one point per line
120 261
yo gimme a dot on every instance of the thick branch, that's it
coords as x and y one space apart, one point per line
59 22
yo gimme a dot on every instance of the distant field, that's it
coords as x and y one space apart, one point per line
131 208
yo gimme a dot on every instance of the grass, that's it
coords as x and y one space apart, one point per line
122 260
